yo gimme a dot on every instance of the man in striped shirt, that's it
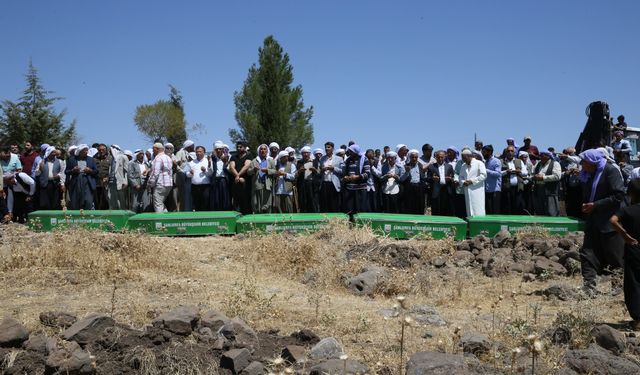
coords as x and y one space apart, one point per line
161 180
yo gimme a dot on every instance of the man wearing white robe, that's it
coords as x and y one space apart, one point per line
471 177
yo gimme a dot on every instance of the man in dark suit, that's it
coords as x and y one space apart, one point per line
440 179
603 193
81 174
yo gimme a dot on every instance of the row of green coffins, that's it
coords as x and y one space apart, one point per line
231 222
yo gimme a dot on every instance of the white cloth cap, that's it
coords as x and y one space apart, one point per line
318 151
305 149
128 153
187 143
341 151
273 144
290 149
401 145
218 144
466 151
414 151
283 154
392 154
523 153
48 151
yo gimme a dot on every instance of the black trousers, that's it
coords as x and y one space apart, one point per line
573 201
460 206
19 207
241 193
50 196
413 199
306 198
632 280
442 205
102 200
599 252
329 198
511 202
356 201
492 203
200 197
390 203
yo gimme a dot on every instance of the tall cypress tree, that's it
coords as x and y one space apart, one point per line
33 118
268 108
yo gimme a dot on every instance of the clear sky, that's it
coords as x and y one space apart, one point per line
378 72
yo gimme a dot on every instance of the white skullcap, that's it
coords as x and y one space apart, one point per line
401 145
414 151
273 144
318 151
290 149
392 154
48 151
168 145
283 154
71 149
305 149
523 153
81 147
187 143
218 144
466 151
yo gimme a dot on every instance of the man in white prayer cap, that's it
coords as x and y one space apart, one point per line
471 178
118 183
306 181
50 180
220 179
414 178
331 168
274 149
283 180
81 173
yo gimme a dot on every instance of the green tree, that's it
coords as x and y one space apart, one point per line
163 120
268 108
33 118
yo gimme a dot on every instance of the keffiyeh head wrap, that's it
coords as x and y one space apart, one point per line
48 152
597 158
355 150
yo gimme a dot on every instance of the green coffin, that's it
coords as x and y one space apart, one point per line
407 226
93 219
294 223
186 223
491 224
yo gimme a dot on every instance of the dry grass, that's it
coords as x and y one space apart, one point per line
259 278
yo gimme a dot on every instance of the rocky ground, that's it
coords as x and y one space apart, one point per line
338 301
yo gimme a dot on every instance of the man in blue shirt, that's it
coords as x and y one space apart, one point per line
493 183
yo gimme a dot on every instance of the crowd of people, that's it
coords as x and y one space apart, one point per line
468 182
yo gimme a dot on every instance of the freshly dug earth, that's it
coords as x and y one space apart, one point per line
479 306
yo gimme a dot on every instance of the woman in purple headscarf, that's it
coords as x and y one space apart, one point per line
603 192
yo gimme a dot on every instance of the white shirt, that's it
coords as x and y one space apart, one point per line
443 181
513 179
198 177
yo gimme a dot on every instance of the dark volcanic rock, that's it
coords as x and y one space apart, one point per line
598 361
88 329
181 320
609 338
12 333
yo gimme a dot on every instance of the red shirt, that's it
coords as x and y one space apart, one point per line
27 161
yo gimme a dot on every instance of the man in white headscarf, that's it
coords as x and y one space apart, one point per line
283 179
471 178
261 185
118 184
274 149
50 179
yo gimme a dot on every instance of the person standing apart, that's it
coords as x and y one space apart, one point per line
603 191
